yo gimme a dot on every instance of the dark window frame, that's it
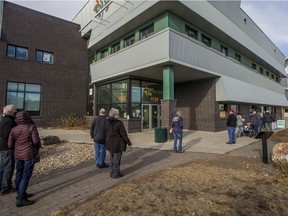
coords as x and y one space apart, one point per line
115 48
224 50
130 40
42 58
147 32
238 57
17 51
206 40
191 32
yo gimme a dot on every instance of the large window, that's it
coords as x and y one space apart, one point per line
24 96
129 41
44 57
147 32
191 32
151 92
17 52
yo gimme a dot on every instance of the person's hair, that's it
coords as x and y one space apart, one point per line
178 113
102 112
114 113
9 110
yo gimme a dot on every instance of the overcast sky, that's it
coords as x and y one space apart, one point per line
270 15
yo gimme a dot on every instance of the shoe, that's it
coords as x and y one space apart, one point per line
28 195
24 202
228 142
103 166
175 151
119 176
233 143
5 192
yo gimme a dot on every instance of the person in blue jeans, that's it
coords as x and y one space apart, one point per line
24 152
97 133
7 161
177 126
231 123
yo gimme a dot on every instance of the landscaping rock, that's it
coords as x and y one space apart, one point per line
280 156
49 140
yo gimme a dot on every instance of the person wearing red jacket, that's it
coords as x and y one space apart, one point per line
24 152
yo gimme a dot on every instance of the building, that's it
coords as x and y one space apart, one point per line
151 58
43 64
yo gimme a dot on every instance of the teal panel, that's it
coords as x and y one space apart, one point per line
168 82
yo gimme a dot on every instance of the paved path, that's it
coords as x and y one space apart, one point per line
77 183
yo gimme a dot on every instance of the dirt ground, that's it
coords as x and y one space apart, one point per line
226 185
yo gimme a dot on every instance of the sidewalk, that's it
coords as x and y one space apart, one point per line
145 156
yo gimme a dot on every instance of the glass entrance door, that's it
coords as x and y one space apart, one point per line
150 116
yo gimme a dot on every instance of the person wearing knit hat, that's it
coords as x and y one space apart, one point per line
231 123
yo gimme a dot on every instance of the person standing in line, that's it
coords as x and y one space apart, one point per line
177 127
97 133
268 121
255 121
116 142
19 139
231 123
240 122
274 120
7 162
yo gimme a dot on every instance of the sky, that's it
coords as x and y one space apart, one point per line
271 16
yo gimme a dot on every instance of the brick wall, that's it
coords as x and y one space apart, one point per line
65 82
197 102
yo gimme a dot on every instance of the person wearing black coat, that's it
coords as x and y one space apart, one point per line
7 161
231 123
116 142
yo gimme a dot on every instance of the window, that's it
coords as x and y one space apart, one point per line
147 32
24 96
254 66
267 73
272 76
191 32
224 50
277 79
119 92
129 41
237 57
261 70
17 52
115 48
44 57
206 40
104 53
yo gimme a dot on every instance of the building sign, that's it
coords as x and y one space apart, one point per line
101 7
148 92
280 123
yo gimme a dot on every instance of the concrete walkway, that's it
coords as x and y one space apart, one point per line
144 157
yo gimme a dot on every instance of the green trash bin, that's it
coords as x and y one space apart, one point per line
160 135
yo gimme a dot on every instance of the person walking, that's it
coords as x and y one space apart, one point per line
116 142
267 118
274 120
7 161
177 128
231 123
97 132
24 138
240 122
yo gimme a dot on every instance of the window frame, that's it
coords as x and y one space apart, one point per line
16 52
193 33
238 57
43 53
23 90
254 66
130 40
104 53
145 33
224 50
115 48
206 40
